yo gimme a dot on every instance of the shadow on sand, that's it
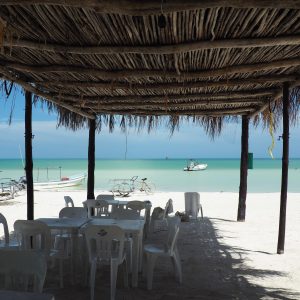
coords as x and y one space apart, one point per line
211 270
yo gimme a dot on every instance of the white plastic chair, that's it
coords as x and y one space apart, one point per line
64 241
69 200
35 235
105 197
159 216
192 204
136 205
106 247
73 212
125 214
18 267
100 208
5 230
169 249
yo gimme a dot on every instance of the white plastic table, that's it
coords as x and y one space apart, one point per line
14 295
135 229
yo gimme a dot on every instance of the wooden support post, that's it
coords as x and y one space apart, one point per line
91 160
285 168
28 155
243 170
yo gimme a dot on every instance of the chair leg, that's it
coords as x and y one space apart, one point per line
113 278
151 259
201 211
125 273
177 265
141 247
128 246
92 279
144 265
61 274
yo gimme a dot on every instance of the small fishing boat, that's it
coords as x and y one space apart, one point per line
61 183
193 165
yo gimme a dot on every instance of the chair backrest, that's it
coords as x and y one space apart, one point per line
18 266
100 207
5 229
125 214
73 212
104 242
173 230
136 205
168 208
192 203
105 197
33 235
69 200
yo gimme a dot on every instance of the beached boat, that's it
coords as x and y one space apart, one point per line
62 183
193 165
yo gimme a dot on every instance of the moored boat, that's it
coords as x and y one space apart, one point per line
193 165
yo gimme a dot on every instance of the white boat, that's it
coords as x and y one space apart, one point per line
62 183
195 166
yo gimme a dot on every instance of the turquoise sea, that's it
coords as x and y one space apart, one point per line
166 174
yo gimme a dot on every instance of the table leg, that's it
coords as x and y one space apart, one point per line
135 258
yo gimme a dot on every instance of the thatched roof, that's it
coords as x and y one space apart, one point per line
146 59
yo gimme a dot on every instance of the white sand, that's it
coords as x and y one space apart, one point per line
253 243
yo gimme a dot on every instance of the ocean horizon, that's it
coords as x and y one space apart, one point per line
221 175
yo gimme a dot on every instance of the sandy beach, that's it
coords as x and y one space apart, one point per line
221 258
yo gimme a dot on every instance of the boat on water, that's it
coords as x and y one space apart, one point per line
194 165
61 183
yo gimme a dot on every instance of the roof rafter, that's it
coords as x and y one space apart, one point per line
174 97
134 73
112 85
157 49
191 112
148 7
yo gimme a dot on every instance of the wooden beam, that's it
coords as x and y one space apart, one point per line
138 73
285 169
28 155
168 85
243 170
139 8
35 91
276 96
91 160
163 99
190 112
157 49
168 105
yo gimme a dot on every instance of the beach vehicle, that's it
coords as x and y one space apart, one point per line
194 165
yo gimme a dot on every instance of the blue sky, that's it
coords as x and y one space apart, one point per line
190 141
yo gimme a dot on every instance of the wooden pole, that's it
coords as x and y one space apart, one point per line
91 160
149 7
285 168
28 155
243 170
